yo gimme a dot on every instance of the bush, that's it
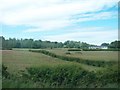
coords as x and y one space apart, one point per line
72 76
74 49
69 75
110 49
60 76
5 73
110 75
67 53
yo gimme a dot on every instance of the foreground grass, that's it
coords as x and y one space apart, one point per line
67 76
35 70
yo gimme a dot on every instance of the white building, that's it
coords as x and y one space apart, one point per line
94 47
104 47
98 47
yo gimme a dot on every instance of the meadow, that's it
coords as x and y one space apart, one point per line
90 55
17 60
26 67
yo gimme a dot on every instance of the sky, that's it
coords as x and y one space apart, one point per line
91 21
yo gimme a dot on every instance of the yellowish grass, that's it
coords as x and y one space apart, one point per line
90 55
17 60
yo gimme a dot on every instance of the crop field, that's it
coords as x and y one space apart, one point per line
46 70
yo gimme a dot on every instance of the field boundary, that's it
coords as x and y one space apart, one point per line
73 59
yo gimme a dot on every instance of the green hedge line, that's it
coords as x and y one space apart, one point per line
101 49
74 49
88 62
94 49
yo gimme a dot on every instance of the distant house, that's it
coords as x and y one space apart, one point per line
98 47
94 47
104 47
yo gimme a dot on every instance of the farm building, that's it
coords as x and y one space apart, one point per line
98 47
104 47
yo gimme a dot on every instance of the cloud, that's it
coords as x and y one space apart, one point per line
98 16
94 35
53 14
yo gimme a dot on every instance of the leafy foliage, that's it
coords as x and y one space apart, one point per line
30 43
115 44
71 76
5 73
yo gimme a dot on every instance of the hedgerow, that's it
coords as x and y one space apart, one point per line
74 49
88 62
111 49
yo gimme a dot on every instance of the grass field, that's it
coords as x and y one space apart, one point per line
90 55
20 59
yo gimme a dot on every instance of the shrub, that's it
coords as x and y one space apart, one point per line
67 53
63 75
110 49
72 76
74 49
5 73
69 75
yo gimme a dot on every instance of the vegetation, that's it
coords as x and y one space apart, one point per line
5 73
115 44
110 49
30 43
36 70
45 64
87 55
74 50
63 76
17 60
88 62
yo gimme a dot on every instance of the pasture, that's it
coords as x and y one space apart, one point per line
18 60
89 55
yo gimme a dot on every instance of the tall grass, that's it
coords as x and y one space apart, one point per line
88 62
67 76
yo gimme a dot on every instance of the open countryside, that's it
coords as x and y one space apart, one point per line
59 44
58 66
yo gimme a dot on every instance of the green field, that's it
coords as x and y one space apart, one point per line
18 60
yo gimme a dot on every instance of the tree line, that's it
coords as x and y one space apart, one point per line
31 43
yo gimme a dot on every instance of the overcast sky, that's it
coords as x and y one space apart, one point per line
91 21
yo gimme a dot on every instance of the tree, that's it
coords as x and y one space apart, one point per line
115 44
2 42
105 44
84 45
